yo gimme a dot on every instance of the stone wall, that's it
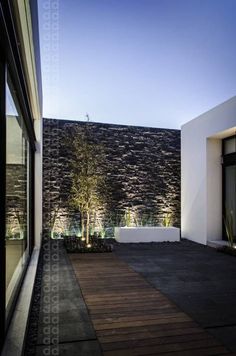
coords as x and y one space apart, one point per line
16 198
142 170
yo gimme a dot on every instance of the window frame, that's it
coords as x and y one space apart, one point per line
2 198
223 145
227 160
10 302
10 59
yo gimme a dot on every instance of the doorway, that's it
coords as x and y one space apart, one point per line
229 182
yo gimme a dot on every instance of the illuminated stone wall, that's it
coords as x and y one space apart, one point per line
16 203
142 170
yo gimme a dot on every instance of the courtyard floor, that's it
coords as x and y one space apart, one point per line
142 299
200 280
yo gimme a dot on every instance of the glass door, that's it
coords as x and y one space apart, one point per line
230 194
229 182
17 195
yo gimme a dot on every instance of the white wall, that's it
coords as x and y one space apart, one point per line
201 172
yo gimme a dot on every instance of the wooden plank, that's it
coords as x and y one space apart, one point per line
139 335
131 317
163 329
117 319
218 350
200 345
134 343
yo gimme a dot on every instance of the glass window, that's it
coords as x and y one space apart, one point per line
230 145
17 196
230 193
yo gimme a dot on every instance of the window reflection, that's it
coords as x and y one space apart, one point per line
16 194
230 193
230 145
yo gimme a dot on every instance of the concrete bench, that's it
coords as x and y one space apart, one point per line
147 234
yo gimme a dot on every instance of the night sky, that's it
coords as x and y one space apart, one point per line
153 63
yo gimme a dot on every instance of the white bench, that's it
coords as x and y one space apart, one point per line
147 234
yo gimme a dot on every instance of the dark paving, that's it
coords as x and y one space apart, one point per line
200 280
64 326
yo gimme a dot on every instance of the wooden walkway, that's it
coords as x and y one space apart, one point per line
131 317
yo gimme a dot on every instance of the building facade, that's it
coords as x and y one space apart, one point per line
20 156
208 174
208 163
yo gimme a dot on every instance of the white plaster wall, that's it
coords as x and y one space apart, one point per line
201 172
38 182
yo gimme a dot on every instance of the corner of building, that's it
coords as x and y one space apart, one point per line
201 172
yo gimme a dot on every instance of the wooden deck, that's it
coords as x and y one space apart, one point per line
131 317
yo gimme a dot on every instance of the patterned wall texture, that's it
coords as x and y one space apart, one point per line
16 198
142 170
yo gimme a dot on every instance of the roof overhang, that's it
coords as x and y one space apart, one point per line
26 42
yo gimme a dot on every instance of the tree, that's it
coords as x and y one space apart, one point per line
87 180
